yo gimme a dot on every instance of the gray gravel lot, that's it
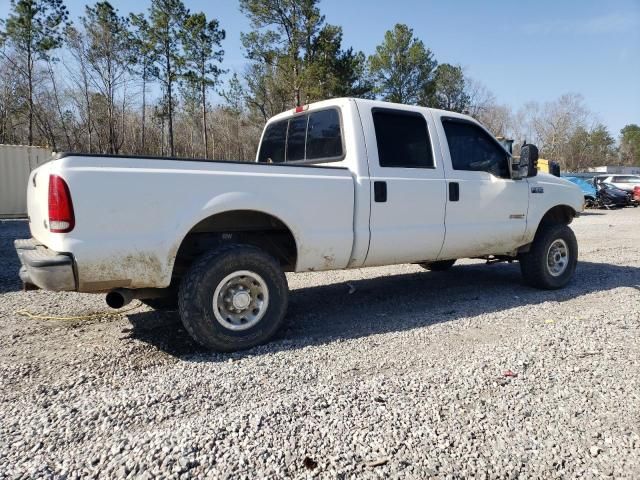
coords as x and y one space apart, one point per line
403 377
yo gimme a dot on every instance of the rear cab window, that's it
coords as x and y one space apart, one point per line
313 137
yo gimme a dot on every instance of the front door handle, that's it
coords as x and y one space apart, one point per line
380 191
454 191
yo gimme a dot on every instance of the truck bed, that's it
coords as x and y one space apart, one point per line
131 213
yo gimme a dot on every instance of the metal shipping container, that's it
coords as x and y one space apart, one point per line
16 163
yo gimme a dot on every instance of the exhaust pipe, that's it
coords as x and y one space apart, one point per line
120 297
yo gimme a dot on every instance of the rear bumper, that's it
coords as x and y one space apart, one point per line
43 267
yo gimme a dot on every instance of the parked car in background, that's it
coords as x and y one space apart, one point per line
588 190
610 196
623 182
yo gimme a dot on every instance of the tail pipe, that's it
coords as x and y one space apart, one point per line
120 297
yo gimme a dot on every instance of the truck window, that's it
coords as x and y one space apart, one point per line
324 139
472 149
273 143
313 136
296 138
402 138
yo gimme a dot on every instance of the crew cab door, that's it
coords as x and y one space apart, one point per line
486 209
407 181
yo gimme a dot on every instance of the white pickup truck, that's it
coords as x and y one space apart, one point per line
344 183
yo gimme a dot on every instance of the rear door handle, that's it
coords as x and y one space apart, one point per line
380 191
454 192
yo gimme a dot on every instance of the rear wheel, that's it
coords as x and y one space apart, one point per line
233 298
552 259
439 266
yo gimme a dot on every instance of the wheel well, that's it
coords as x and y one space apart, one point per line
240 226
558 215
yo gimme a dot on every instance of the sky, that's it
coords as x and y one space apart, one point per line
521 51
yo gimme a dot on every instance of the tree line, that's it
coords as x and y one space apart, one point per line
154 83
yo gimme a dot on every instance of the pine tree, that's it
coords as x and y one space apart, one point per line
402 67
145 57
283 31
235 97
109 58
630 144
202 41
166 23
450 92
296 57
34 29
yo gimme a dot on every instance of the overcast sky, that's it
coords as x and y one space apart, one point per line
533 50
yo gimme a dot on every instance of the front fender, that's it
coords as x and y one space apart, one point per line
547 192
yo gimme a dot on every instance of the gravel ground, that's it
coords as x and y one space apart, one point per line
383 372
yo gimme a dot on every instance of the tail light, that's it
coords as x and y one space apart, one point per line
61 217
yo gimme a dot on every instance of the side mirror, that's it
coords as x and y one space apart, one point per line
528 160
516 173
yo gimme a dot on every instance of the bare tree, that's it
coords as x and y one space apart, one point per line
78 73
108 58
166 19
202 40
11 104
145 56
33 30
56 98
556 121
484 107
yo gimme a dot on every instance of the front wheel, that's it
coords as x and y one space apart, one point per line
551 261
233 298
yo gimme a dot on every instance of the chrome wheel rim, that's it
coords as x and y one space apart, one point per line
558 257
240 300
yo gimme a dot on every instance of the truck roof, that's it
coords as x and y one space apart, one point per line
336 102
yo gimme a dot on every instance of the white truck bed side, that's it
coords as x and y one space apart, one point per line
114 246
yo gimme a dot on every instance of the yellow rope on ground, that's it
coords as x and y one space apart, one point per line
90 316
